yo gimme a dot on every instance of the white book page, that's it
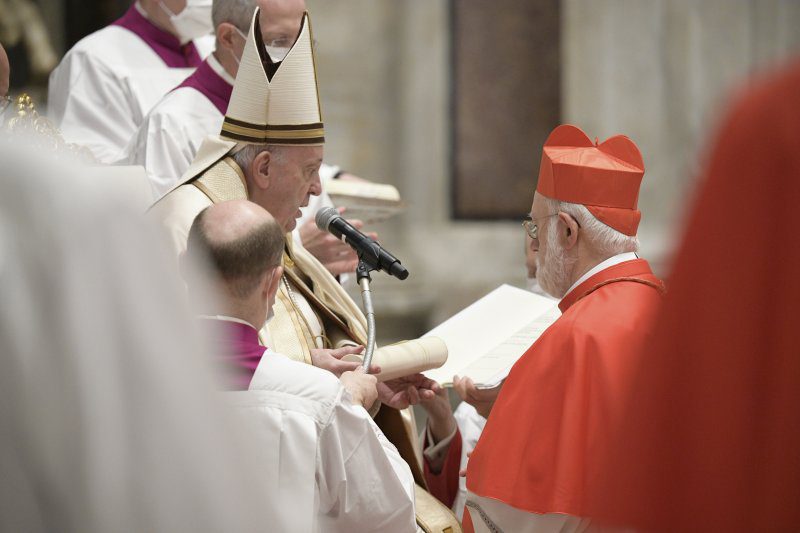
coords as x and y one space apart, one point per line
484 370
366 201
486 338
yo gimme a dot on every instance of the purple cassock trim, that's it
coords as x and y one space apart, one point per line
166 45
237 349
211 85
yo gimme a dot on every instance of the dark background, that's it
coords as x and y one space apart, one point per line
502 113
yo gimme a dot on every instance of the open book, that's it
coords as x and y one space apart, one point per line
485 339
366 201
407 357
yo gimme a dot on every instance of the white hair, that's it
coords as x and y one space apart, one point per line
605 240
554 264
245 156
236 12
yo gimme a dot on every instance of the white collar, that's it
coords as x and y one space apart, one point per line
217 67
611 261
229 319
141 10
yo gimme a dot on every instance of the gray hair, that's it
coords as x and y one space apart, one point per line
236 12
245 156
240 262
604 239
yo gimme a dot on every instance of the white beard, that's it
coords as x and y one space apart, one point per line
532 284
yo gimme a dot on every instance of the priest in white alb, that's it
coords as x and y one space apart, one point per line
106 84
269 151
326 464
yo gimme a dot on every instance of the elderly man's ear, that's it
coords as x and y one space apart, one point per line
262 169
272 282
569 230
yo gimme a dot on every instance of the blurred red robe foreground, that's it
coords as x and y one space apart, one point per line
711 441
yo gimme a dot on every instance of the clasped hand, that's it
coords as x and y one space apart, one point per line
398 393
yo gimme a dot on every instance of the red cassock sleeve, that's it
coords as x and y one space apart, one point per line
444 485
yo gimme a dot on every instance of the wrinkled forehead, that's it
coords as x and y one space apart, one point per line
303 155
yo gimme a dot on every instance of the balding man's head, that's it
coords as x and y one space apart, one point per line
242 241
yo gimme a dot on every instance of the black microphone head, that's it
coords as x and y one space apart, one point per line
399 271
325 216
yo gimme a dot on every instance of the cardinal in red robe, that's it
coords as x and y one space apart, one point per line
537 457
711 439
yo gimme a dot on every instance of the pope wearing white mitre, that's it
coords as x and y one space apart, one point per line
169 137
106 84
269 152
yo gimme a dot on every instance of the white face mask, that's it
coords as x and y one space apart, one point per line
193 22
276 53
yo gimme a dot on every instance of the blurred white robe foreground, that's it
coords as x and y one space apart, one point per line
106 84
108 412
328 466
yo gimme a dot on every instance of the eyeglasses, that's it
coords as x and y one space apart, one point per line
533 229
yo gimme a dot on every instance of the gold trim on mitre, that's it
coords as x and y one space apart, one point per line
282 108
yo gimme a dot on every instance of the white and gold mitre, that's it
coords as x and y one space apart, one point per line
275 102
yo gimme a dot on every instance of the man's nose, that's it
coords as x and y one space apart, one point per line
316 186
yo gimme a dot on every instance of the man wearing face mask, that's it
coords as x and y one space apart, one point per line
170 135
106 84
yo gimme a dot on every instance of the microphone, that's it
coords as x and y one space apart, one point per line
370 252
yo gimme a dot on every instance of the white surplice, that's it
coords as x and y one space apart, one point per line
329 466
106 84
170 135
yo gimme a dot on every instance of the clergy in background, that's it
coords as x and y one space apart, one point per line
326 464
170 135
537 456
106 84
269 151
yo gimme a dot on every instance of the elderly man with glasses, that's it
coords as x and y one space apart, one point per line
536 459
